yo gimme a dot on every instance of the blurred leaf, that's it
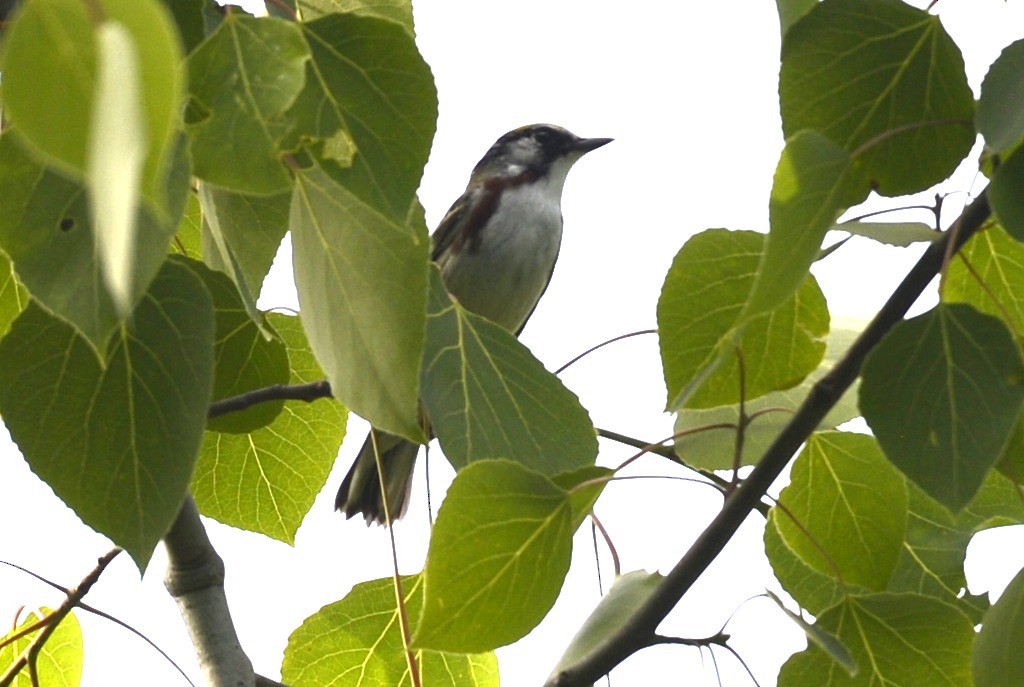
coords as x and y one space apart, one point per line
851 506
628 593
942 393
884 81
50 94
362 286
188 17
241 236
815 181
244 360
498 555
1006 193
900 234
367 86
364 634
46 230
60 659
1000 118
896 639
997 659
398 11
116 443
266 480
826 641
243 79
714 449
700 308
488 397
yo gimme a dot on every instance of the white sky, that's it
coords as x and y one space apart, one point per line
688 92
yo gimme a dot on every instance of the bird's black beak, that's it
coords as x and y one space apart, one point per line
585 145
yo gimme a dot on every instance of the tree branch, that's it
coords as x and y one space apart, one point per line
287 392
195 578
639 631
28 656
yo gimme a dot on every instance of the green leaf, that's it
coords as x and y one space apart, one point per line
188 240
13 295
942 393
45 229
932 560
896 639
59 662
188 17
488 397
266 480
997 659
244 359
243 79
813 590
849 507
367 86
398 11
900 234
792 11
886 82
826 641
998 261
498 555
50 95
1006 193
815 181
700 315
714 449
627 593
116 443
1000 118
364 634
241 235
362 286
585 486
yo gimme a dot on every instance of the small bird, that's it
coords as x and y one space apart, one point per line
496 249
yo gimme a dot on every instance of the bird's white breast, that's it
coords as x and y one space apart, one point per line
503 276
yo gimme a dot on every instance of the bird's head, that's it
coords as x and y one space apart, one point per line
537 151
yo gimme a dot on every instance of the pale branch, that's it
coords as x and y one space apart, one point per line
278 392
640 629
195 578
27 658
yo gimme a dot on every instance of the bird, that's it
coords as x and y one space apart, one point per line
496 249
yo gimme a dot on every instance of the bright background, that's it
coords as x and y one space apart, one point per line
688 90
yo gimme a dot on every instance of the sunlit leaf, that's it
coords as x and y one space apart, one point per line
498 555
997 657
365 637
845 509
895 639
266 480
60 659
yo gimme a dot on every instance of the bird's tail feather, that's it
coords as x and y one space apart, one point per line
360 491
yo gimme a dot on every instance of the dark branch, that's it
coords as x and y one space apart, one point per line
639 631
279 392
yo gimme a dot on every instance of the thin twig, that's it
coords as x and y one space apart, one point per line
31 652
